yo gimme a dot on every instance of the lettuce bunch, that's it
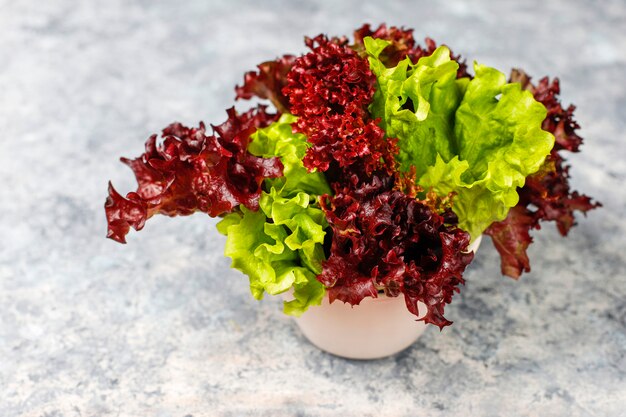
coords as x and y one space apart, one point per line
383 160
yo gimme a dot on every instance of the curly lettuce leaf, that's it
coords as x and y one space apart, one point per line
401 45
280 246
330 89
279 140
385 239
499 124
416 104
304 222
258 249
546 195
191 170
500 142
268 82
478 139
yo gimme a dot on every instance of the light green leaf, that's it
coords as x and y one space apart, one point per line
280 246
500 141
279 140
416 104
478 139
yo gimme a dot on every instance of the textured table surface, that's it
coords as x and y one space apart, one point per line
163 327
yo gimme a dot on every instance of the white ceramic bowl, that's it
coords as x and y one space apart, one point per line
375 328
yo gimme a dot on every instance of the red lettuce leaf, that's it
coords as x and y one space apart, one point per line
330 89
546 195
511 237
191 171
268 82
559 121
384 239
402 45
345 282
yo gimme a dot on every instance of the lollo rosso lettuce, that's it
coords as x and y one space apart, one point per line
329 90
268 82
280 247
478 139
386 240
191 171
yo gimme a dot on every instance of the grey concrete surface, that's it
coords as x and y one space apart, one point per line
162 326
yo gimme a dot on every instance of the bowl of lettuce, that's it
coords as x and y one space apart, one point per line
369 170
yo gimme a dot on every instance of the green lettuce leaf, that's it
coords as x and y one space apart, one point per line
278 140
478 139
280 246
500 142
417 104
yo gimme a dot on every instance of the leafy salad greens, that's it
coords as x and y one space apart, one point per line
383 160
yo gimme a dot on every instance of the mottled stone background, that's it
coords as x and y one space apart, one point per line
163 327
